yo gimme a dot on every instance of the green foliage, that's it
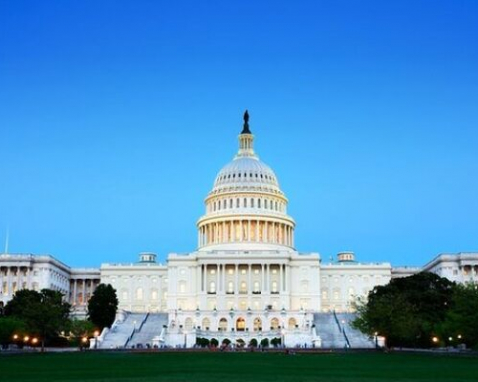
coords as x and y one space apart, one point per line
265 342
461 319
9 326
80 329
407 311
276 341
102 306
45 313
214 342
202 342
226 341
253 343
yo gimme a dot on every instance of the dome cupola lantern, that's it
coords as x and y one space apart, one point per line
246 139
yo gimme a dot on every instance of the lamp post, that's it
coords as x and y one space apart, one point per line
376 340
185 339
96 334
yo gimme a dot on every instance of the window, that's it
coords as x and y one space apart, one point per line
243 287
258 203
265 204
230 287
212 287
245 203
237 203
257 287
230 203
139 294
224 204
252 203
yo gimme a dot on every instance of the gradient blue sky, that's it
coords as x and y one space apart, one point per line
115 117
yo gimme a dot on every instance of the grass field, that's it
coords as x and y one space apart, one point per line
231 367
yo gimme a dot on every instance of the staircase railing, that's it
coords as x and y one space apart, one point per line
142 322
342 330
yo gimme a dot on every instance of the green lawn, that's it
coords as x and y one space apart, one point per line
230 367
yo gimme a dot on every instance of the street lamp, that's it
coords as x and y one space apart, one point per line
96 334
185 339
376 340
282 332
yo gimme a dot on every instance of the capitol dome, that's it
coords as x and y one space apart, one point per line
246 204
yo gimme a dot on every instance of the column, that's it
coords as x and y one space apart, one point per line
241 232
266 232
84 291
73 301
249 280
281 286
263 281
224 288
257 230
236 274
9 281
249 230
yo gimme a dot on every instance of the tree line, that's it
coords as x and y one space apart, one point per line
42 318
423 310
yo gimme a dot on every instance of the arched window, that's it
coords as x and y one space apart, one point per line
257 324
240 324
188 323
252 203
245 203
275 324
206 324
237 203
243 287
265 204
258 203
230 203
222 325
292 323
230 287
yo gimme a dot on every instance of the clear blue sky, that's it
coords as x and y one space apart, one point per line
115 117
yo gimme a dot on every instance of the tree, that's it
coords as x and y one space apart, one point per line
265 342
460 320
253 343
102 306
214 342
407 311
9 327
44 313
80 329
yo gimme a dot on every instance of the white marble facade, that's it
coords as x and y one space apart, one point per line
245 274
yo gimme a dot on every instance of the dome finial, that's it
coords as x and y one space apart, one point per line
246 130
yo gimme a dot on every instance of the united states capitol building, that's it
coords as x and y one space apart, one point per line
245 280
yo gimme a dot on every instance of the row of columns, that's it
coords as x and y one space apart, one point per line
221 277
81 290
13 278
257 231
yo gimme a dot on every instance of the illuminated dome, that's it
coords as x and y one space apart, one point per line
246 205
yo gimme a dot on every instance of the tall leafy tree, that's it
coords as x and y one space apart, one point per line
460 323
9 326
102 306
407 311
44 313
